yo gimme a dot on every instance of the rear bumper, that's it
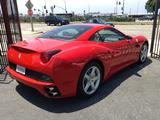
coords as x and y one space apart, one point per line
65 75
42 87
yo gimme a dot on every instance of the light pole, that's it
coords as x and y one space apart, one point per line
117 4
138 4
123 7
52 9
45 7
88 8
65 5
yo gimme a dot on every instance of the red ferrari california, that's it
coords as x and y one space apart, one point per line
74 59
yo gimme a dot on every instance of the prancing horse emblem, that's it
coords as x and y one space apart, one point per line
19 56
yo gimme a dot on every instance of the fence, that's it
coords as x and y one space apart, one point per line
10 31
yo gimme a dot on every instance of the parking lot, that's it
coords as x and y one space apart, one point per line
145 30
132 94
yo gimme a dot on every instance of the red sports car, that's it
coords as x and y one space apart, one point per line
74 59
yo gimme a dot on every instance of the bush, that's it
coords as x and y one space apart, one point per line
77 18
121 19
82 18
35 19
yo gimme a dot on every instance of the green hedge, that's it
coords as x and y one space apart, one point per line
120 19
77 18
27 19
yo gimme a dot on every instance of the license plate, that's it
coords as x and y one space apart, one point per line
20 69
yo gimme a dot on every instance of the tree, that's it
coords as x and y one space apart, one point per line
150 6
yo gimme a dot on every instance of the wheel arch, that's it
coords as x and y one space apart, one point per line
99 62
146 42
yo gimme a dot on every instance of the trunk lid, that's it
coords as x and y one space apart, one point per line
39 44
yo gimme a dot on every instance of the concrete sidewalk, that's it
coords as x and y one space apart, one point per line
132 94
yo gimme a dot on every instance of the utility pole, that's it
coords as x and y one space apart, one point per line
31 19
130 11
117 4
123 7
52 10
138 6
65 6
88 8
45 7
84 12
43 14
114 10
116 7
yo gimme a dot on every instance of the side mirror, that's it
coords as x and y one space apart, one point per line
128 37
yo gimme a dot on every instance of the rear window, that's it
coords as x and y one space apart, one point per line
67 32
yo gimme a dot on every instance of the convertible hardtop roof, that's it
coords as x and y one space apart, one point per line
93 25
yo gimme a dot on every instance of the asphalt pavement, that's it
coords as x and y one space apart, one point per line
132 94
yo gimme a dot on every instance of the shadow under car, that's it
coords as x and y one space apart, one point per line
68 105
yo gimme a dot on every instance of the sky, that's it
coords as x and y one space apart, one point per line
78 6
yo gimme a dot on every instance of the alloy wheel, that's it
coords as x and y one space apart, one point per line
143 54
91 80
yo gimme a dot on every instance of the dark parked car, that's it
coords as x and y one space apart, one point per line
55 20
99 21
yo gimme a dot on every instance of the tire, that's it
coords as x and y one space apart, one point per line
48 24
143 53
90 80
55 24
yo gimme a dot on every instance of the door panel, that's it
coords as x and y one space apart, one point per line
121 48
120 51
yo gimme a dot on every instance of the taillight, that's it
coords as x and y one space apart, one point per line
46 56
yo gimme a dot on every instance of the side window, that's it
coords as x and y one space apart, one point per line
111 35
52 18
107 35
95 37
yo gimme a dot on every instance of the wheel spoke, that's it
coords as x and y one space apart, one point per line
86 76
87 86
93 71
142 55
92 86
95 78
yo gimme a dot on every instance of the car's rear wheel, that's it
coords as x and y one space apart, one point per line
90 80
143 53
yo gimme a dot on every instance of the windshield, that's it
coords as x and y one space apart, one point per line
101 21
60 18
67 32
